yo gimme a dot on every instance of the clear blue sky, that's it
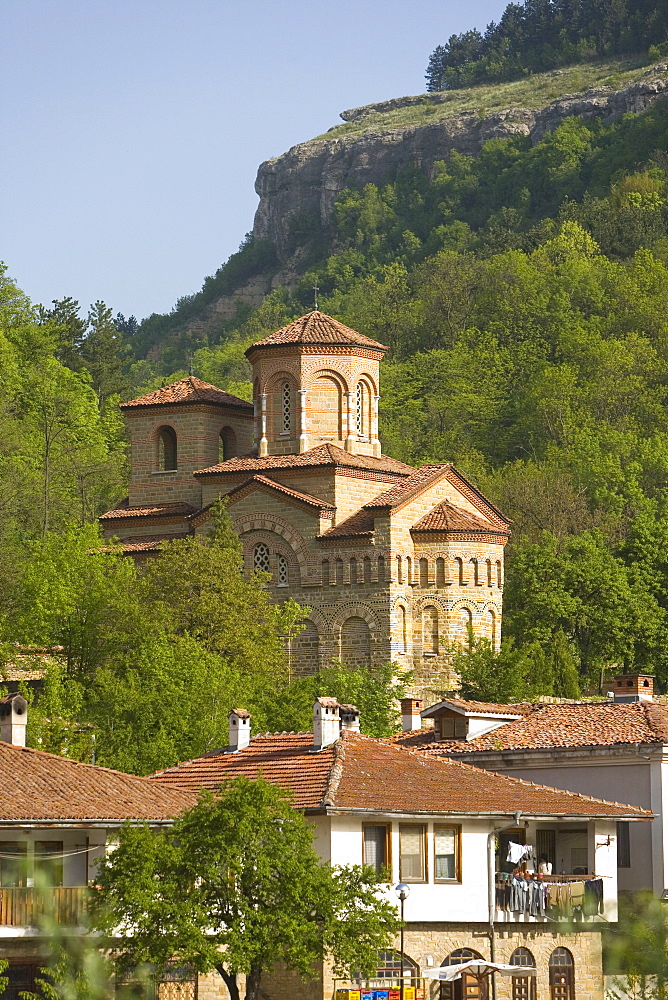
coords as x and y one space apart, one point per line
132 129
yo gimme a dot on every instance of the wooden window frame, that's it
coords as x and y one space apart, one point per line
457 827
425 855
388 845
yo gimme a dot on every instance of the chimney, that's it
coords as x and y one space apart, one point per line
326 722
13 719
240 730
410 714
350 718
633 687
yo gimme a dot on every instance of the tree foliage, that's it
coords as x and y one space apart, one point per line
240 890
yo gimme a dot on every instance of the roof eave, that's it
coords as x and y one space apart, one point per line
566 817
241 405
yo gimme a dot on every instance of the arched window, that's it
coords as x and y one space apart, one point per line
339 571
355 642
466 988
381 569
166 449
430 630
562 975
400 570
325 572
353 570
499 574
491 614
424 573
477 582
440 572
488 564
409 570
389 969
466 623
363 409
460 571
367 569
523 987
286 400
283 574
261 558
227 444
403 629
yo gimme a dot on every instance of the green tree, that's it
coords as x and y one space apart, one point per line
104 352
240 888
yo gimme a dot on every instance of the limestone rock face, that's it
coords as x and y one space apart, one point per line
310 176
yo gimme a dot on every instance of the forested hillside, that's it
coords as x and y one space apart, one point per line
542 34
524 296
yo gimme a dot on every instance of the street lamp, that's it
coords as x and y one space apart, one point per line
403 892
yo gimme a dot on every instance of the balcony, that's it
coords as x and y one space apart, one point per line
28 907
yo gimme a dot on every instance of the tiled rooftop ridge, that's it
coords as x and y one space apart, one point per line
316 328
187 390
322 454
360 773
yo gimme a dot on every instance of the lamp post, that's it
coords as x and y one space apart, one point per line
403 891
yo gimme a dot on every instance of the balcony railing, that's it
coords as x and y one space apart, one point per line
27 907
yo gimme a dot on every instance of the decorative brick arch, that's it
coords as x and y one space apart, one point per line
354 609
325 372
429 599
277 526
281 547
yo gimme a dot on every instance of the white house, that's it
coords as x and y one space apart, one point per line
615 749
444 828
56 818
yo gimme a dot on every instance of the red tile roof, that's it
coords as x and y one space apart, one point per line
156 510
148 543
186 392
317 328
361 773
306 498
409 487
484 707
447 517
45 787
322 454
359 525
568 726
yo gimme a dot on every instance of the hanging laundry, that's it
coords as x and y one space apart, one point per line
518 852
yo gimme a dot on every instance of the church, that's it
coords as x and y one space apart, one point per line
394 563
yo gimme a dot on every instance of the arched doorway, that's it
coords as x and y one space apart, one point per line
468 987
562 975
523 987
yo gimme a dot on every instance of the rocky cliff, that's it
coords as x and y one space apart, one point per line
310 176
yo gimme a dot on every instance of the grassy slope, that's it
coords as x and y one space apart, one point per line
531 92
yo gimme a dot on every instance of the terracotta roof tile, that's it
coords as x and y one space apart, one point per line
360 524
566 726
361 773
322 454
484 707
187 391
295 494
317 328
414 484
44 786
148 543
156 510
447 517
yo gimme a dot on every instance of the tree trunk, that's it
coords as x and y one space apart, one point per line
253 983
230 980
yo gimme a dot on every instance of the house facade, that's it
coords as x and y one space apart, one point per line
444 829
615 749
394 562
57 818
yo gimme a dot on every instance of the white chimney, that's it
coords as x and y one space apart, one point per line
410 714
350 718
13 719
240 730
326 722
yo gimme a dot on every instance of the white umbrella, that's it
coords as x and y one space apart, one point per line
478 968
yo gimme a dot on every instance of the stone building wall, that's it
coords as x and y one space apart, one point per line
429 944
198 429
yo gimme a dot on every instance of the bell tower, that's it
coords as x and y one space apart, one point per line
315 381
